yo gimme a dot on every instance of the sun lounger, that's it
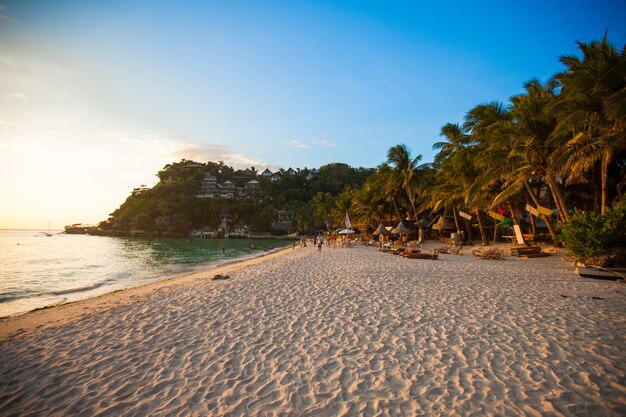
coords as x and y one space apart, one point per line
420 255
453 249
529 252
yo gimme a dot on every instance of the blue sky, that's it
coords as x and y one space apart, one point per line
96 96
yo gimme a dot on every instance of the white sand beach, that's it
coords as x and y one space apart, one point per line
344 332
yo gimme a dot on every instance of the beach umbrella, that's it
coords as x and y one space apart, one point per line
382 230
444 224
401 229
346 231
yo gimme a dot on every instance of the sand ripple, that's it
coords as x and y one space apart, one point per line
341 333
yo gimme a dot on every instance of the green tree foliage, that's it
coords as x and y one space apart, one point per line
172 207
588 235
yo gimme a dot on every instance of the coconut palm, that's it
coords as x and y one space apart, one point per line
406 173
592 109
460 162
533 155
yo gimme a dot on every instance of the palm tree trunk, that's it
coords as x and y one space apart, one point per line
395 207
558 198
559 207
456 220
543 216
483 234
468 227
513 213
606 160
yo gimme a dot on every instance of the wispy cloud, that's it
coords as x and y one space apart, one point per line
323 142
7 18
297 144
175 150
217 153
18 95
151 143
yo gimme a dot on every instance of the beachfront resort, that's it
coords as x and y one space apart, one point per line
476 268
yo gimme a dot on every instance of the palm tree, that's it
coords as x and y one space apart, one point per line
456 138
518 148
460 163
592 109
533 155
405 173
370 205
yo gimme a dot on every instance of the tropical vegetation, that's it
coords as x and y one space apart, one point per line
542 159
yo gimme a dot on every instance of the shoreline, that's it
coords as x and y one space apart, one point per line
342 332
64 313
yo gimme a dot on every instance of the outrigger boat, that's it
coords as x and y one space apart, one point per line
597 272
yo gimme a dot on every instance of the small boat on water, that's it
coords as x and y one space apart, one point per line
601 273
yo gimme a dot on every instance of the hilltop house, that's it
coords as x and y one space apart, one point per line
211 189
227 190
267 173
253 188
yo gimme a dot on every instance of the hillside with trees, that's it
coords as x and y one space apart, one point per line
548 155
287 202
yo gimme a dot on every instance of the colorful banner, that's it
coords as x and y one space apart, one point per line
495 215
532 210
544 210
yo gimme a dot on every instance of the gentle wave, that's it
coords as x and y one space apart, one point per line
40 272
77 289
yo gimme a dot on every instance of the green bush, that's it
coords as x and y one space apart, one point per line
588 235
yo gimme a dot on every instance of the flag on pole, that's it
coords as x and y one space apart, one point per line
348 225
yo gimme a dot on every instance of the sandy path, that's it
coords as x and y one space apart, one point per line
344 332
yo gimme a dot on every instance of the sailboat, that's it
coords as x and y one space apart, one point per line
49 230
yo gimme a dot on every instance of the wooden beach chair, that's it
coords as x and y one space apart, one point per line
457 250
443 249
525 250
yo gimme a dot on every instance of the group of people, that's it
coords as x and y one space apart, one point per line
317 241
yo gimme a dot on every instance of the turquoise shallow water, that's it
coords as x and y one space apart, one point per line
38 271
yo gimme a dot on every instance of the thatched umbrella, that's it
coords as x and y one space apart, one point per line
382 230
401 229
443 224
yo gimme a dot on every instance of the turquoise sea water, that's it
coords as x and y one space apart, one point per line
38 270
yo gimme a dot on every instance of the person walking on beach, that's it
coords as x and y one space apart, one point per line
320 242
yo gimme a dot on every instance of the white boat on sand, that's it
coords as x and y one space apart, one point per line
601 273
